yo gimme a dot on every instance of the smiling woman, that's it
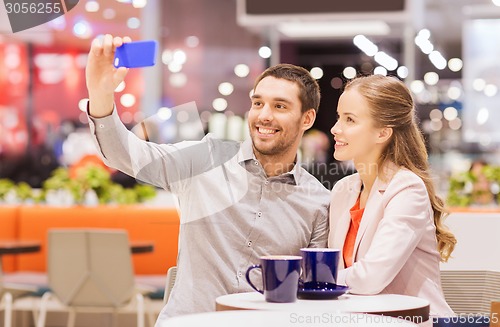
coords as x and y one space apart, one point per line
387 217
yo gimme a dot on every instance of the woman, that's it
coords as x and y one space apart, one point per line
386 218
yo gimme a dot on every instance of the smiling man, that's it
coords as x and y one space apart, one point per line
238 200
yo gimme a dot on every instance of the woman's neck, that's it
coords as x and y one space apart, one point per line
368 173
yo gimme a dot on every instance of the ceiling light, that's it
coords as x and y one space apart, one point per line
139 3
379 70
241 70
437 59
365 45
436 114
333 29
482 116
164 113
265 52
455 124
316 72
219 104
478 84
431 78
92 6
450 113
454 92
349 72
455 64
226 88
109 13
82 29
385 60
417 86
133 23
402 71
192 41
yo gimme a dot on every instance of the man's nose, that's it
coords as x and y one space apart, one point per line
266 114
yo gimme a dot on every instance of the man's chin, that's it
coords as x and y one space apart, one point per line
264 148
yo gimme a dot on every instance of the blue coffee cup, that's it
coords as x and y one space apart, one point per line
319 268
280 277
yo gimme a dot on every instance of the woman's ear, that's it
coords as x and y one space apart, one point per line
385 134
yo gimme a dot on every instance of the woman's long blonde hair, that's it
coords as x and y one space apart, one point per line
391 105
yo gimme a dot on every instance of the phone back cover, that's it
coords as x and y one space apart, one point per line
135 54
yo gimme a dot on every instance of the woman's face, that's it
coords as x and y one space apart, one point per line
356 137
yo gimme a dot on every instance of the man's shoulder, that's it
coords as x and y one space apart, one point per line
219 143
218 148
309 181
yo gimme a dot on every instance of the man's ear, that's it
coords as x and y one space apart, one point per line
308 119
384 134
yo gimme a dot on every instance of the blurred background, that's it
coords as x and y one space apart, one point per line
211 51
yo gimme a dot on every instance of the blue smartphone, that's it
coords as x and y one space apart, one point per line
136 54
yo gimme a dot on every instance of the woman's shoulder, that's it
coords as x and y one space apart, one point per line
405 178
347 182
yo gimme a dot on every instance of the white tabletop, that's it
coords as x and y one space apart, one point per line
387 304
258 318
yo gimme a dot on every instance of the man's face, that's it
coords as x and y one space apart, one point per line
275 120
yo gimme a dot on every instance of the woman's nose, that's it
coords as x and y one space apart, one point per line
335 129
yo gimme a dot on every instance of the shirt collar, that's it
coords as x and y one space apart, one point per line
246 153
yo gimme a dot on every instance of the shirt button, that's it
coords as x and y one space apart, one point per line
249 243
256 163
240 274
101 126
266 182
259 214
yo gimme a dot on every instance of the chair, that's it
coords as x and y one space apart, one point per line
169 284
6 305
470 291
9 292
91 271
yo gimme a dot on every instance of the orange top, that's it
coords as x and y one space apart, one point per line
350 239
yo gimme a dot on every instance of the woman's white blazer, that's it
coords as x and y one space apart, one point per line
396 249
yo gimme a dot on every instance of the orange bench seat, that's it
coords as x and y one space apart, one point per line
158 225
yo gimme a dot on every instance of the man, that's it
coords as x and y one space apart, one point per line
238 200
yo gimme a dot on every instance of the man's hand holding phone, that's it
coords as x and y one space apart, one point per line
107 66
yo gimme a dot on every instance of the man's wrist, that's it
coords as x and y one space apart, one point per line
99 115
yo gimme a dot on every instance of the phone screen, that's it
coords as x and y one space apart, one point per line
136 54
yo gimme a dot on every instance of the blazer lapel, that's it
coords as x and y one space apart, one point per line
376 193
342 226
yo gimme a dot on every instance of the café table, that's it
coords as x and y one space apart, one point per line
16 247
138 247
408 307
266 318
20 247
